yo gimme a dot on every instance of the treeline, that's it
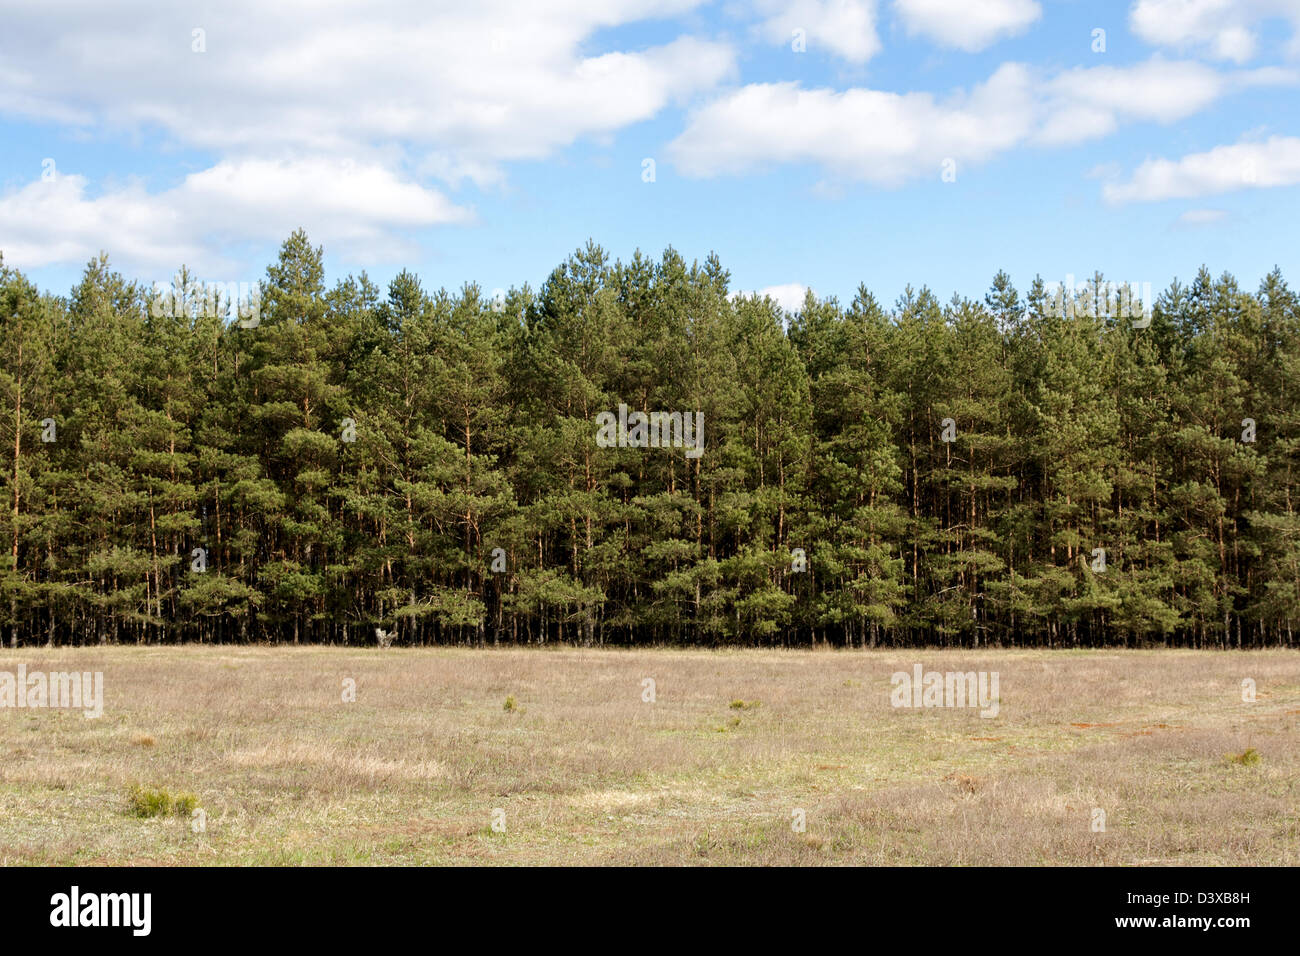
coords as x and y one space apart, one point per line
426 464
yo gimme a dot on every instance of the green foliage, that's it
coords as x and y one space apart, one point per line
1247 758
160 803
425 463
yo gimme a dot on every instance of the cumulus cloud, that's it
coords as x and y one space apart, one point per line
1087 102
1274 162
969 25
321 112
863 134
846 28
491 81
886 138
364 209
1224 29
789 297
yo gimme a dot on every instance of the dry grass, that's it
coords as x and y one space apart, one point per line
709 773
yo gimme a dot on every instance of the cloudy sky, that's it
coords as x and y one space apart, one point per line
813 143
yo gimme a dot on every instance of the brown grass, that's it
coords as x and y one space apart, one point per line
587 772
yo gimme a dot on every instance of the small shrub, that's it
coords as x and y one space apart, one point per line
161 802
511 705
184 804
149 803
1247 758
744 704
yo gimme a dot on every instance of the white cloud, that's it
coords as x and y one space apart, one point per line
847 28
287 95
1087 102
492 81
887 138
54 221
1224 29
1274 162
347 199
790 296
361 209
865 134
969 25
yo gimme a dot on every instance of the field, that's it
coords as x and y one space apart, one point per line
562 752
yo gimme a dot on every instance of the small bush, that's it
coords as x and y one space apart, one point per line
743 704
184 804
1247 758
511 704
161 803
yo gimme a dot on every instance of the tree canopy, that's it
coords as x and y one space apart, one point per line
992 471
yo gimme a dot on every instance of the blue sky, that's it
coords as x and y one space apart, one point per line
486 142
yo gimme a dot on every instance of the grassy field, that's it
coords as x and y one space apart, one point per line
710 772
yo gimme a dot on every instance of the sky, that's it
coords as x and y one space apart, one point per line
814 144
